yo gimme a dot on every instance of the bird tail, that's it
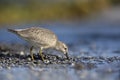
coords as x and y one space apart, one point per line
12 30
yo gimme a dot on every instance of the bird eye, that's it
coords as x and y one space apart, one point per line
65 48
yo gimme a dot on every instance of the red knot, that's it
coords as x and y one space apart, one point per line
41 38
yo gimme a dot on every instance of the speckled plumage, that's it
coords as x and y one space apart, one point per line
41 37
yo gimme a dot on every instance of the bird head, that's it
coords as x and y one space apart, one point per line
63 48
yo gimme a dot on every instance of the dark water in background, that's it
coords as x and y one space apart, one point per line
92 37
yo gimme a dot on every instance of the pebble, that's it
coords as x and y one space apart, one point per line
15 60
22 53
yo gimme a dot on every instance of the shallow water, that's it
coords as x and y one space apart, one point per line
96 43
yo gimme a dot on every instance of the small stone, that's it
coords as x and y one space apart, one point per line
46 61
8 67
22 53
29 59
72 64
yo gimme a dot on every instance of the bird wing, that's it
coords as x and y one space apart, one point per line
39 36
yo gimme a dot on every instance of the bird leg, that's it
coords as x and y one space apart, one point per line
40 53
67 55
31 54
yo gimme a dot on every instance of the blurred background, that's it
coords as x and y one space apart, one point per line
90 28
24 11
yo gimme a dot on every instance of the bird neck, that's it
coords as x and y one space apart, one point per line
58 45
